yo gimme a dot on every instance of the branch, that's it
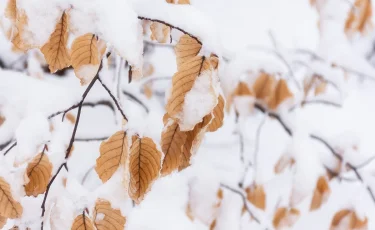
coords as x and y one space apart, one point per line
114 99
2 146
91 139
172 26
315 102
134 98
240 193
10 148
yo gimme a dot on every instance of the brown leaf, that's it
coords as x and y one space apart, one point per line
213 225
285 217
85 57
284 161
183 82
2 120
193 141
39 172
256 196
113 153
172 140
186 48
280 94
70 117
320 88
147 90
144 166
348 219
160 32
11 10
55 50
183 1
359 18
113 219
218 113
264 86
82 222
321 193
3 221
9 208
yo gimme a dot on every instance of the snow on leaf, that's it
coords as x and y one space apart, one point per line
82 222
186 48
172 140
11 10
348 219
280 94
359 18
113 153
9 208
85 57
3 221
256 196
285 217
321 193
264 86
160 32
111 219
39 173
144 166
284 161
320 88
55 50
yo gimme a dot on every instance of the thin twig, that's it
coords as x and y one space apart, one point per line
134 98
87 174
366 162
114 99
10 148
316 102
91 139
170 25
2 146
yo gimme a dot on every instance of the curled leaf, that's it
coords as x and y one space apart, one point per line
186 48
144 166
359 18
172 140
280 94
9 208
113 153
112 220
348 219
85 57
39 172
285 217
256 196
55 50
264 86
160 32
218 113
284 161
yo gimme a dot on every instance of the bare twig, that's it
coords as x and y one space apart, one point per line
91 139
172 26
10 148
134 98
366 162
87 174
315 102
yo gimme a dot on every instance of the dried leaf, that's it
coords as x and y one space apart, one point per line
183 1
348 219
39 172
144 166
320 88
113 153
218 113
280 94
186 49
113 219
2 120
183 82
82 222
3 221
213 225
147 90
193 141
85 57
359 18
172 140
11 10
55 50
9 208
160 32
285 217
256 196
70 117
321 193
284 161
264 86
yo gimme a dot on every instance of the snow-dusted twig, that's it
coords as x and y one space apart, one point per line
172 26
134 98
91 139
10 148
315 102
87 174
244 200
366 162
2 146
114 99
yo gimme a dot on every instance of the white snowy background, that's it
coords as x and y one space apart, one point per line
242 31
